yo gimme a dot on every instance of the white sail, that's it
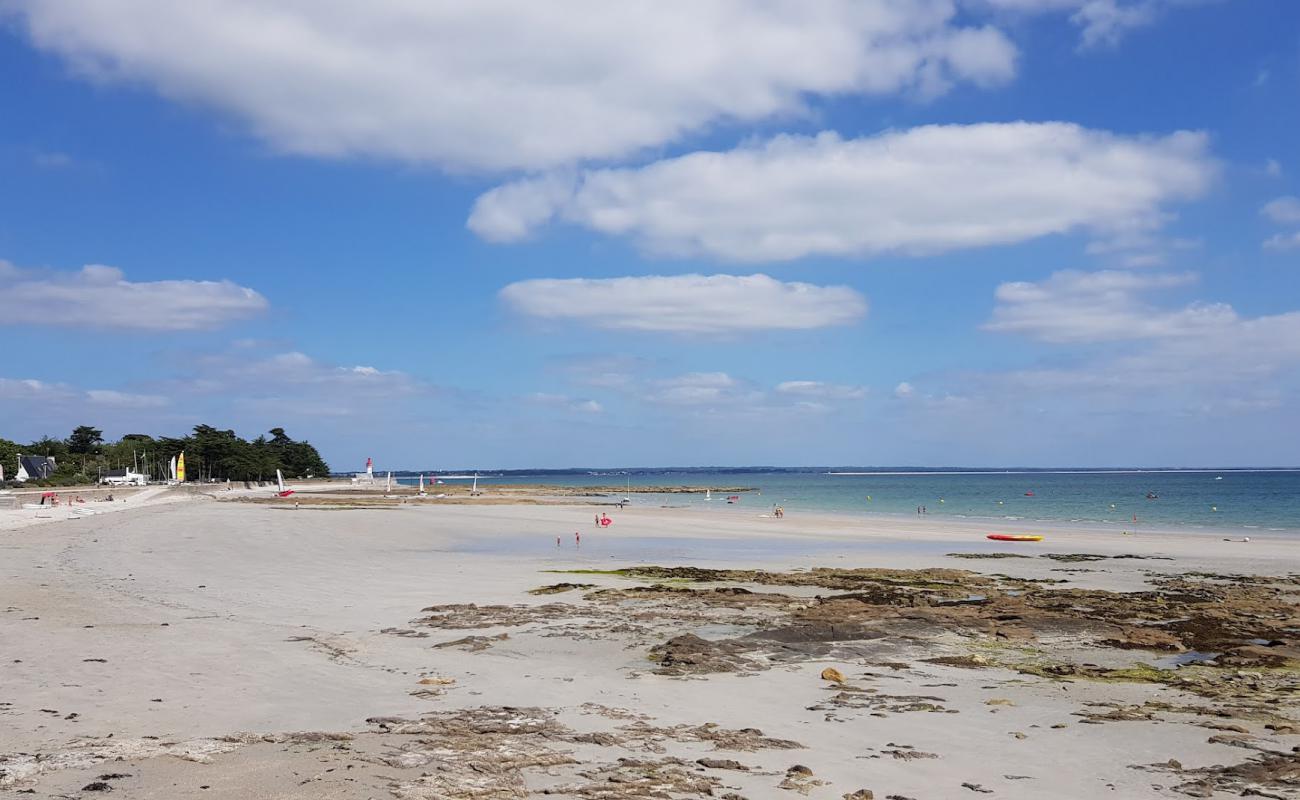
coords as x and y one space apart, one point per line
21 475
279 481
388 484
173 468
421 483
2 473
708 494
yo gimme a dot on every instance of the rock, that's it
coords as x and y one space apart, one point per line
861 794
1260 656
799 769
975 787
1144 638
999 701
832 674
689 654
721 763
97 786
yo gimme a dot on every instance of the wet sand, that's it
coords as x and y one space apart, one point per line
207 648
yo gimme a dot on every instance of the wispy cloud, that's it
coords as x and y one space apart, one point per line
687 304
101 297
1101 22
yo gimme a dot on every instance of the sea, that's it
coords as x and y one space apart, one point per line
1265 499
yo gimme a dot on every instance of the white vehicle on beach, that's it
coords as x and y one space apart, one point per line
122 477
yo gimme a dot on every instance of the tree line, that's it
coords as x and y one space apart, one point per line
210 454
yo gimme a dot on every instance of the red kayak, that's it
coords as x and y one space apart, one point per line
1014 537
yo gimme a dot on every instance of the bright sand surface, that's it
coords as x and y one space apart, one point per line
198 619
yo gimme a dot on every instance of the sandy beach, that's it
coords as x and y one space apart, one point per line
200 648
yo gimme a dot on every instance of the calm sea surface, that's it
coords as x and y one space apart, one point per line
1266 500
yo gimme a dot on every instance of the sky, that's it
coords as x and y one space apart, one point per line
504 234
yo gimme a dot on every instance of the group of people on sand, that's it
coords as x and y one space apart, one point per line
603 521
922 510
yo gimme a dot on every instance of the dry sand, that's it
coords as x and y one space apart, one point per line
225 649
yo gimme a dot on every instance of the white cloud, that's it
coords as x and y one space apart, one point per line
904 390
1105 306
1283 241
1197 343
819 389
1102 22
100 297
701 388
510 83
690 304
21 389
920 191
1283 210
59 399
562 401
112 397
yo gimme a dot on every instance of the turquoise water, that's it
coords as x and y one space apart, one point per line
1265 500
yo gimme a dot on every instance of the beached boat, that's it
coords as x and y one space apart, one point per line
1014 537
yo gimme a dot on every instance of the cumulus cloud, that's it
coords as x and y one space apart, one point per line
919 191
510 83
1196 343
1191 384
688 304
1075 306
97 296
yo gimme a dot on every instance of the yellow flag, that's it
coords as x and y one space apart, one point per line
180 468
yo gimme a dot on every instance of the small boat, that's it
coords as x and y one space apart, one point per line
1014 537
735 498
1029 493
281 491
1152 496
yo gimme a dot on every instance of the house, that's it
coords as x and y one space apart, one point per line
122 477
34 468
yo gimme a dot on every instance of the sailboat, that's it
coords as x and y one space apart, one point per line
279 483
180 467
422 484
708 494
474 489
627 498
388 484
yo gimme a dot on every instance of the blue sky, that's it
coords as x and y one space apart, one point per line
936 232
